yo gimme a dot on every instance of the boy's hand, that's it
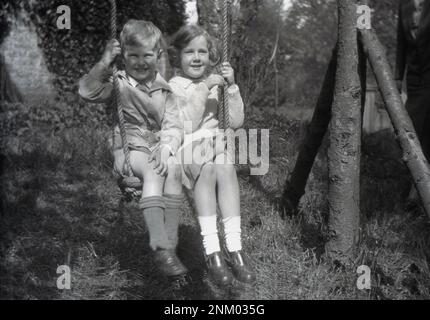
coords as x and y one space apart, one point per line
160 156
112 50
228 73
214 80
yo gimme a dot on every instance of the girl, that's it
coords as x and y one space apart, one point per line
193 53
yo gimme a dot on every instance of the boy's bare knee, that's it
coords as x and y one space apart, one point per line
139 163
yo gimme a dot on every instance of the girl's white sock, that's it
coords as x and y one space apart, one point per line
209 233
232 233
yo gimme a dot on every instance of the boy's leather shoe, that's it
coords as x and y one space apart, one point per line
218 269
168 263
241 267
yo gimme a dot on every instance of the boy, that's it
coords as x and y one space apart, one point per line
153 129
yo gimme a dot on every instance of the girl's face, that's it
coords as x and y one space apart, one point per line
195 58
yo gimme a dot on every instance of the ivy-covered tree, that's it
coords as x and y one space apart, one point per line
8 90
70 53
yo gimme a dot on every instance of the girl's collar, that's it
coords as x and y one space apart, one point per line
180 73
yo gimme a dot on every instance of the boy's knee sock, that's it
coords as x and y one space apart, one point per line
153 212
209 233
232 233
171 214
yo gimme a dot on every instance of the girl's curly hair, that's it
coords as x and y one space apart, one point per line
183 37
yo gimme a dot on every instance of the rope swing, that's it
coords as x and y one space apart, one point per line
223 99
223 106
129 180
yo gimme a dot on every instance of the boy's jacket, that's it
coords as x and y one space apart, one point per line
154 109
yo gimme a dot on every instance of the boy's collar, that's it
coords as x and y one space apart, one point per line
132 81
159 82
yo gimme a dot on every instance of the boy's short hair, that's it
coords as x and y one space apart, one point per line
135 32
184 36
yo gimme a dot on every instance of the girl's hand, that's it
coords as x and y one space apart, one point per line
228 73
214 80
112 50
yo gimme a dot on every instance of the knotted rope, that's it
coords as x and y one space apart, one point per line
224 109
129 181
224 58
116 95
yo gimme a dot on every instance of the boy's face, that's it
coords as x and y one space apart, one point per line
141 61
195 58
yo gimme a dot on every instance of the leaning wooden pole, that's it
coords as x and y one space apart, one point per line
403 126
296 183
345 141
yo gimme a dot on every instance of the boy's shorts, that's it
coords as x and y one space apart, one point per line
139 139
195 155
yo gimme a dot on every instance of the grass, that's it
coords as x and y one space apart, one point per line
61 205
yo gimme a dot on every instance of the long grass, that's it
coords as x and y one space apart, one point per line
61 205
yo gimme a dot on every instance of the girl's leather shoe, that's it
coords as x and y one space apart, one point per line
241 267
218 269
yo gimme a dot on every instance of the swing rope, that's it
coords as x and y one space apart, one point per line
224 110
224 58
129 181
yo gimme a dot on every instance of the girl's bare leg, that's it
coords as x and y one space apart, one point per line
204 191
205 203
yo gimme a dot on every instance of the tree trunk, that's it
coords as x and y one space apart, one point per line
404 129
295 185
362 69
345 141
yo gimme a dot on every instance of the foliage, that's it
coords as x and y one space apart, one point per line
71 53
17 119
308 35
384 20
8 9
255 38
311 33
